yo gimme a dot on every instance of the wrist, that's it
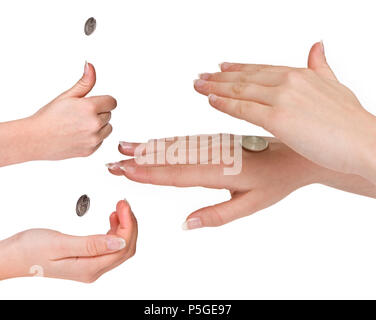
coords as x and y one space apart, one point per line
366 166
310 173
17 141
12 264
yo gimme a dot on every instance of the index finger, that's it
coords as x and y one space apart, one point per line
189 175
103 103
244 67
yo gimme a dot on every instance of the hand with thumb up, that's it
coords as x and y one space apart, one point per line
72 125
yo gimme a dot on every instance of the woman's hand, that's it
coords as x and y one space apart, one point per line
265 178
69 126
308 109
72 125
55 255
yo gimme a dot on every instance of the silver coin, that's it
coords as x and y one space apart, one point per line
90 26
83 205
254 143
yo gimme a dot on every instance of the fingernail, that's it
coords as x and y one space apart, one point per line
112 166
212 98
199 83
322 46
204 76
115 244
126 145
225 65
193 223
86 70
128 169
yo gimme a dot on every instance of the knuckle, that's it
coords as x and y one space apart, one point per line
240 109
110 128
92 247
216 218
94 140
275 119
82 83
113 101
96 124
243 78
268 122
238 88
282 95
132 252
88 152
89 279
292 77
90 106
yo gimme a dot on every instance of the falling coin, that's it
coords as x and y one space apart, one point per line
90 26
254 143
83 205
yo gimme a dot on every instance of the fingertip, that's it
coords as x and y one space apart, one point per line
212 99
124 213
195 83
90 66
89 71
114 221
115 168
204 76
224 66
193 222
113 217
127 148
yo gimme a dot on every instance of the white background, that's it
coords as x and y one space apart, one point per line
317 243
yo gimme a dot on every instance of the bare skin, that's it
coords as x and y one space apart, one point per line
266 178
72 125
308 109
58 255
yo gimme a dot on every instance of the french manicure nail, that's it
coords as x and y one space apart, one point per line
193 223
204 76
112 166
225 65
322 46
199 83
126 145
115 244
212 97
86 70
128 169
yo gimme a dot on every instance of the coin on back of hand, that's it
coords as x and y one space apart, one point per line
254 143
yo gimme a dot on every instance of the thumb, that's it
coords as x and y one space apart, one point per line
84 85
225 212
317 61
90 246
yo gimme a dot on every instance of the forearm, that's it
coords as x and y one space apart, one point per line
17 142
